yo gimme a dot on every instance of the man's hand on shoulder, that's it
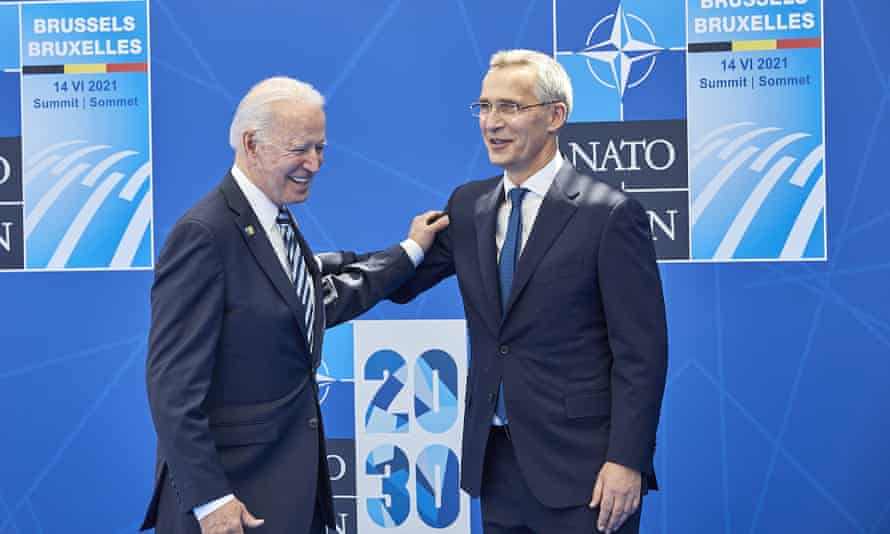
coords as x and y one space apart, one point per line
617 493
230 518
425 226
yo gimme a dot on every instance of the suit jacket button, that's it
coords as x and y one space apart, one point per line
504 350
313 422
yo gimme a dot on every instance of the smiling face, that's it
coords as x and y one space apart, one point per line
523 143
284 159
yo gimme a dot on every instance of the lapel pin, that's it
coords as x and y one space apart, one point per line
249 230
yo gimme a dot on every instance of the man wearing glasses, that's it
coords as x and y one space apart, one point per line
566 320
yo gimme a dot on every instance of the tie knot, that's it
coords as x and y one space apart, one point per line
516 195
283 217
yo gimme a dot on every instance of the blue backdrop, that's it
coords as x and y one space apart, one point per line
774 418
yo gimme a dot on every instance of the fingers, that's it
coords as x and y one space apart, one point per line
434 220
616 508
597 492
440 223
606 511
430 216
632 504
249 520
617 517
425 226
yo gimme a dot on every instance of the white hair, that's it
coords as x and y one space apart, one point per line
255 111
552 83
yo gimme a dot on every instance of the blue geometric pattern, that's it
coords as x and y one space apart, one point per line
435 391
388 366
777 389
391 464
438 486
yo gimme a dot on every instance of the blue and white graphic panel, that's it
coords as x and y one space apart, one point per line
756 144
86 136
410 378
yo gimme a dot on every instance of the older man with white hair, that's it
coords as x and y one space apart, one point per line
239 307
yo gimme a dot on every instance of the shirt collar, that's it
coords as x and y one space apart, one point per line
538 183
266 210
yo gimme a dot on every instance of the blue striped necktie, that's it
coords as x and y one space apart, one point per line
299 273
506 267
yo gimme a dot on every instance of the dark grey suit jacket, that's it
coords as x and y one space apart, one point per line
231 382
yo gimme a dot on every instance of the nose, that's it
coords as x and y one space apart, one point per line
491 122
313 161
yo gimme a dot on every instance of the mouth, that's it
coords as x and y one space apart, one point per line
497 143
300 180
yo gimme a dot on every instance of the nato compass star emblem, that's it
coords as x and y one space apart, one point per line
621 50
324 380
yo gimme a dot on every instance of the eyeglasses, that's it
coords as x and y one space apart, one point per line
504 109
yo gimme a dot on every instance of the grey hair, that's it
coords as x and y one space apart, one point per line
255 112
552 81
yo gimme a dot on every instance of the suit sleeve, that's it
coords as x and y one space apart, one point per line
187 303
635 317
334 262
361 281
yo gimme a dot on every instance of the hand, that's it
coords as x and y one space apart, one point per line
425 226
617 493
229 519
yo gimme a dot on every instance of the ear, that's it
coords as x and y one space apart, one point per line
248 143
558 116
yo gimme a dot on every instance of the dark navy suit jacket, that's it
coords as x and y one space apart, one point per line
581 346
231 382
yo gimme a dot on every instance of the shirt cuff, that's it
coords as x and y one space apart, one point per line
413 250
206 509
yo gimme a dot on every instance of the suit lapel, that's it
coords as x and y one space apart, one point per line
486 223
257 242
556 210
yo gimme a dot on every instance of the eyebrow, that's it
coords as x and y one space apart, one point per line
296 146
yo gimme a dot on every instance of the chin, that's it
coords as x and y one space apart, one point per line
498 159
297 193
297 199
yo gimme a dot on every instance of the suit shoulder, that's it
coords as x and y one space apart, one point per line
598 194
209 213
474 189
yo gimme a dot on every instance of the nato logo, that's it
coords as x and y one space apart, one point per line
627 60
87 206
336 383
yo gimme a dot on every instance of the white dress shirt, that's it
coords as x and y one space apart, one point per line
266 212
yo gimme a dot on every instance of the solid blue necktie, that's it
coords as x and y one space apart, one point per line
506 267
